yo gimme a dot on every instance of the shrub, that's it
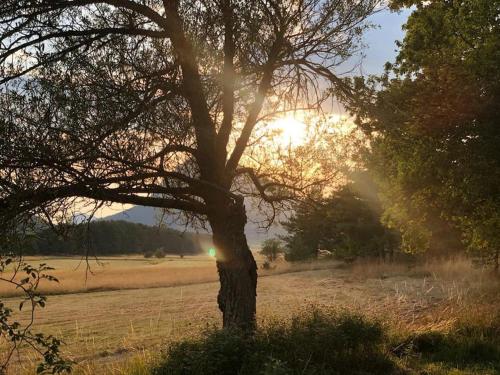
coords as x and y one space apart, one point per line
160 253
267 266
314 343
148 254
271 249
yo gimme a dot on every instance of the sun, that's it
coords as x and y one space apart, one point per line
289 131
303 127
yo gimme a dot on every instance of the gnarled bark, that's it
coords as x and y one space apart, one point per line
237 268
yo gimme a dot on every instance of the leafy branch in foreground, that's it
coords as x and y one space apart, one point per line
18 335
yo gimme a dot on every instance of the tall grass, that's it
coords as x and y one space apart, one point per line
316 342
458 268
470 346
331 342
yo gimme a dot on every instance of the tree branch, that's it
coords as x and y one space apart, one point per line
256 107
27 200
228 82
91 32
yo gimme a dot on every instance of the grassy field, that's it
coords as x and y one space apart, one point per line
131 307
76 275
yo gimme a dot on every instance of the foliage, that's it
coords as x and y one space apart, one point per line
15 333
347 224
160 253
271 249
313 343
111 238
434 124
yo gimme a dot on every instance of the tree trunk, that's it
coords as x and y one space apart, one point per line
497 261
236 266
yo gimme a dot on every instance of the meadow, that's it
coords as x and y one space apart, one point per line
130 309
80 275
367 129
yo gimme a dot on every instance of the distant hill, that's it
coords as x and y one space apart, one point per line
142 215
151 216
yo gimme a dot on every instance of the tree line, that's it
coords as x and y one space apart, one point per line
347 224
113 238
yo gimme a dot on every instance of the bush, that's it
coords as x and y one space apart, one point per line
160 253
271 249
267 266
148 254
467 345
314 343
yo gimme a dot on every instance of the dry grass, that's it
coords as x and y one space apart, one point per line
118 331
118 273
450 269
440 292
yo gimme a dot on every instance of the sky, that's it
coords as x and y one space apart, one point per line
381 41
380 47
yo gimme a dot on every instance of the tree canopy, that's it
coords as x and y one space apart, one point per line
434 124
128 101
347 224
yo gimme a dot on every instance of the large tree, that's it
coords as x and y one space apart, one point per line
164 103
435 126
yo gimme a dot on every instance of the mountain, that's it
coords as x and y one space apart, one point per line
140 215
151 216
